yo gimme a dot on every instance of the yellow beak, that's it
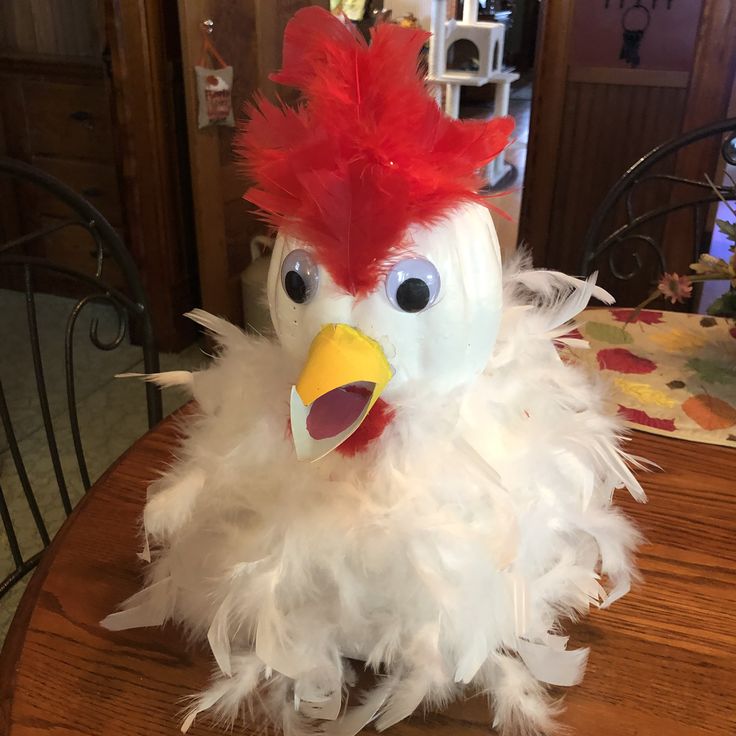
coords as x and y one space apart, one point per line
344 375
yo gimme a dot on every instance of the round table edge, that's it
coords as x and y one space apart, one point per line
15 638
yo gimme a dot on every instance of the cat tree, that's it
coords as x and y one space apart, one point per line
488 38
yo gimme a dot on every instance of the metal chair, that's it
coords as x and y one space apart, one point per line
130 306
622 251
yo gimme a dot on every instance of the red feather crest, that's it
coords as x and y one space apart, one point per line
367 154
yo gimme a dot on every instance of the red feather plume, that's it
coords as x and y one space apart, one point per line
368 152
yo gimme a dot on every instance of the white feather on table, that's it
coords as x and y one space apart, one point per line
444 555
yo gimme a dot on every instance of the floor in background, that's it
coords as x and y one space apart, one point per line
112 412
508 197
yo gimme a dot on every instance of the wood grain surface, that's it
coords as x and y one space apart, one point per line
663 659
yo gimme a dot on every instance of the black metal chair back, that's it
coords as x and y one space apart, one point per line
644 197
19 258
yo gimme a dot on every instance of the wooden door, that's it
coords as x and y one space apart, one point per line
593 116
151 152
248 35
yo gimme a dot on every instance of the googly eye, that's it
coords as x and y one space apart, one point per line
413 285
299 276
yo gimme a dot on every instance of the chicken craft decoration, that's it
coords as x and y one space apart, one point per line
409 486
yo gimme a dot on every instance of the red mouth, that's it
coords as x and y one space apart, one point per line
335 411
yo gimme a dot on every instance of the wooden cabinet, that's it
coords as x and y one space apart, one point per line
68 119
63 109
56 115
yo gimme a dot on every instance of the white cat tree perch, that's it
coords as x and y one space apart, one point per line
488 39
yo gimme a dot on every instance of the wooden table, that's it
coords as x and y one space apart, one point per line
663 659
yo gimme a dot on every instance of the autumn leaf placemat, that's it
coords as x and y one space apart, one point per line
671 373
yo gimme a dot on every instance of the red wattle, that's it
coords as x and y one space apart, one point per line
379 417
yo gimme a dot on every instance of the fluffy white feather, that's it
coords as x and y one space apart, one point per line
448 552
164 380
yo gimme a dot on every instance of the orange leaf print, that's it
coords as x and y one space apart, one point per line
709 412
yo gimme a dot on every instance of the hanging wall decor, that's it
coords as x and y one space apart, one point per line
635 20
214 85
622 3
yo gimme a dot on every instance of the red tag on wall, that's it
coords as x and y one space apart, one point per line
214 86
214 93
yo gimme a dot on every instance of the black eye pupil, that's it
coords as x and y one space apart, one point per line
412 295
295 287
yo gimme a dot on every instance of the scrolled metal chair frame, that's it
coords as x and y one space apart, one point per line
703 196
132 305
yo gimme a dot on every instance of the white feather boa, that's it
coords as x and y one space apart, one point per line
445 556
